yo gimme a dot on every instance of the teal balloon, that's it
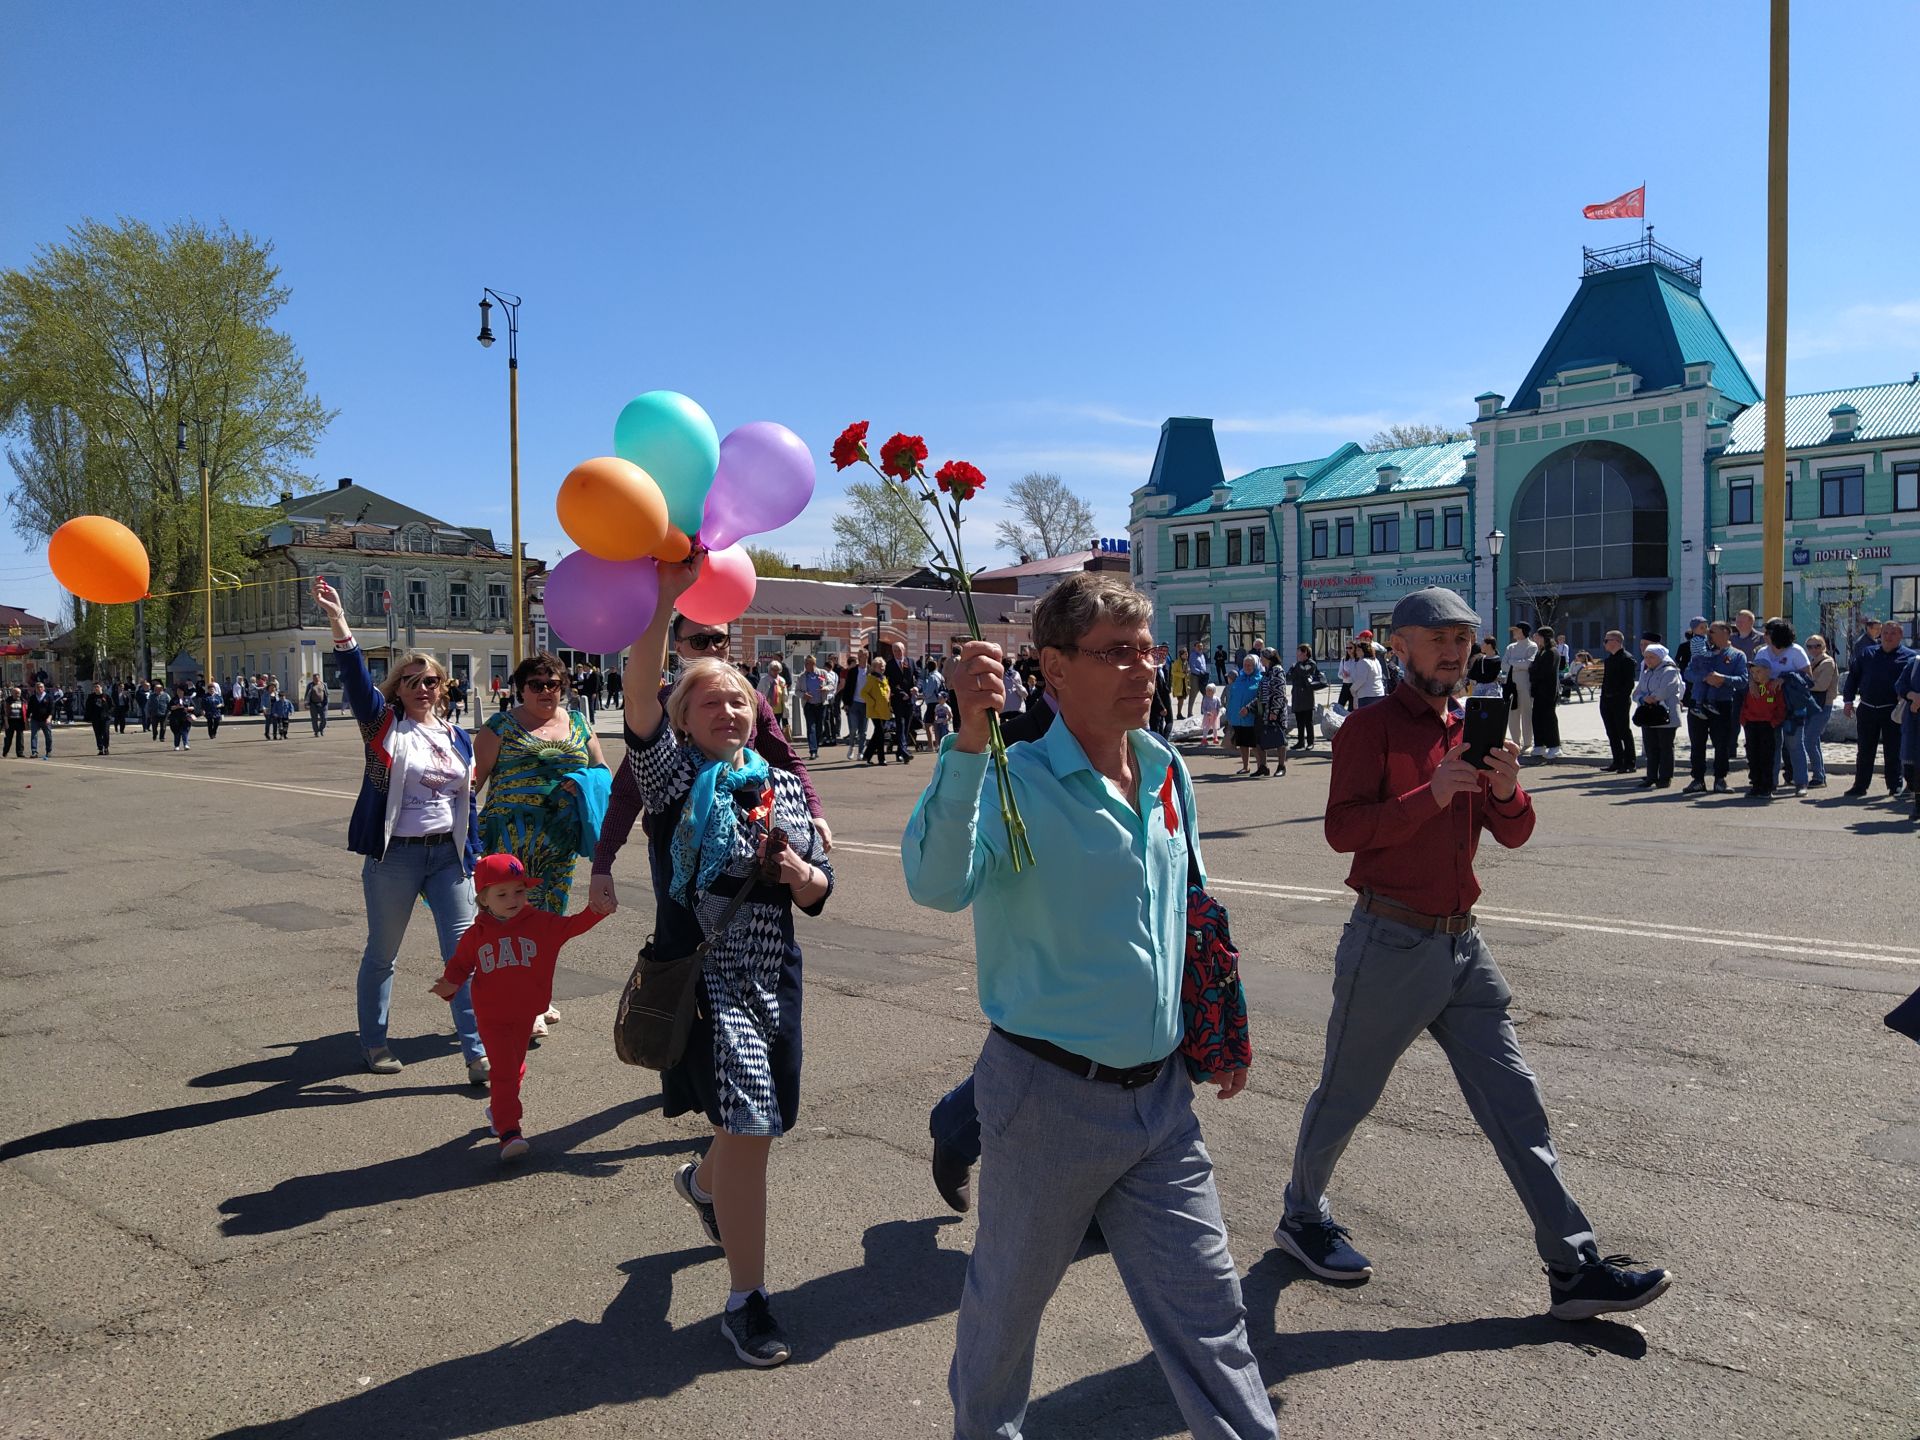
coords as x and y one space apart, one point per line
673 440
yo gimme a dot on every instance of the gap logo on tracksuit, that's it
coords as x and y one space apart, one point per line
510 950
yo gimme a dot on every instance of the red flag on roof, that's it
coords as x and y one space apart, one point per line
1631 205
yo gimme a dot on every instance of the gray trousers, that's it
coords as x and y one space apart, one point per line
1057 1150
1390 982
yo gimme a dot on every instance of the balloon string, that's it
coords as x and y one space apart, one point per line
202 589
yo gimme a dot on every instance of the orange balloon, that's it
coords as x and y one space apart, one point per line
99 560
675 548
611 508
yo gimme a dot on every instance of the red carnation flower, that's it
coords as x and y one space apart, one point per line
902 456
851 447
960 479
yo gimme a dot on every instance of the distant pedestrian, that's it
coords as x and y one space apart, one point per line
317 704
15 718
39 703
179 715
99 713
212 704
813 689
1619 674
122 697
1518 662
1823 679
1716 687
157 712
1306 682
1874 681
1661 685
1762 713
1544 673
1210 708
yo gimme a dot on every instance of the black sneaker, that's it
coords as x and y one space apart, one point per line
755 1335
1697 787
1720 787
1601 1287
683 1187
1322 1247
952 1178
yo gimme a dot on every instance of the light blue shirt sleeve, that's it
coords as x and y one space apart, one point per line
946 851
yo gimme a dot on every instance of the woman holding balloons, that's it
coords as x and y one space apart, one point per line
415 823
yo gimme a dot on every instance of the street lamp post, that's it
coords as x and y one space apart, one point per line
1713 581
1853 604
206 529
511 304
1496 542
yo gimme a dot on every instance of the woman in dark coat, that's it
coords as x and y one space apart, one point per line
1544 674
1304 678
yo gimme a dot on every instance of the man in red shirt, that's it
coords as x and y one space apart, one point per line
1409 806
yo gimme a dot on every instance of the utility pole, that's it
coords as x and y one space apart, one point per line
1774 428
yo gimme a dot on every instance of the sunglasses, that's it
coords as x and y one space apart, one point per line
706 642
420 680
545 686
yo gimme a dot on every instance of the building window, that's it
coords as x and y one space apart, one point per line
1843 492
1384 537
1181 552
1319 543
1192 630
373 592
1740 503
1747 597
497 668
1454 529
1593 511
1233 547
1423 530
1256 547
1906 601
1906 487
1332 629
1343 537
496 600
1246 630
1203 549
416 599
457 599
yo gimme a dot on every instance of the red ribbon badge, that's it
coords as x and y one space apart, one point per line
1168 809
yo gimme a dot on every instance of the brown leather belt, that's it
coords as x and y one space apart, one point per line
1400 914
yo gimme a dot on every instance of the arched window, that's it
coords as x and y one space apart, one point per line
1593 511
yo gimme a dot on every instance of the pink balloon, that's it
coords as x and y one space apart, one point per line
764 480
724 589
601 605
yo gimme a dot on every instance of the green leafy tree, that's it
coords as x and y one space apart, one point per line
876 529
1403 437
1048 518
107 341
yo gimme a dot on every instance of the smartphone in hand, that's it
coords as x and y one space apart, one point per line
1486 728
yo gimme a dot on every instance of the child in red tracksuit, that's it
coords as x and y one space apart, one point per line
1761 715
509 951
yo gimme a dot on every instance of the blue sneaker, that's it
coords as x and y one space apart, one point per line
1322 1247
1601 1287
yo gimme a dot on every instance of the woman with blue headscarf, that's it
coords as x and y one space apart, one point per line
722 820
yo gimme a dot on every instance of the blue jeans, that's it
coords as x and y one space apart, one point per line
856 726
1811 735
392 885
955 1124
35 730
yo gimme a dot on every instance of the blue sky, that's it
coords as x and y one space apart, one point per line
1029 232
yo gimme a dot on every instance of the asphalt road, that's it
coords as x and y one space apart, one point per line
219 1224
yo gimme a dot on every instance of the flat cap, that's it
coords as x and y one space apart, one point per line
1433 607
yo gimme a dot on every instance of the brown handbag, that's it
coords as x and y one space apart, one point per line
662 996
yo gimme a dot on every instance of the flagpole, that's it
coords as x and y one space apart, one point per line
1774 418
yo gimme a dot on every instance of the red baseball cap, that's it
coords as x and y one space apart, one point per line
1364 635
500 870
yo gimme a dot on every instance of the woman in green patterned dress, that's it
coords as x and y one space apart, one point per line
546 785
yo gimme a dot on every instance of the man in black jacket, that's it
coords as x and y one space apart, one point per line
1873 682
1618 674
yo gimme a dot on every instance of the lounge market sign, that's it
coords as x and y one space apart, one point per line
1802 555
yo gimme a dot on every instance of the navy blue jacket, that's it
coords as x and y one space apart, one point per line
1875 676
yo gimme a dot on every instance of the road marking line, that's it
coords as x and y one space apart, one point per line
203 779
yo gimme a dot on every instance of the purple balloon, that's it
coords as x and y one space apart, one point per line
764 480
601 605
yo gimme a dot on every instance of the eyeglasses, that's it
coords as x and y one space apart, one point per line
706 642
545 686
1126 657
420 680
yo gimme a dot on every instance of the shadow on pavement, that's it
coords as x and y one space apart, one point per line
466 1161
633 1353
1138 1392
295 1082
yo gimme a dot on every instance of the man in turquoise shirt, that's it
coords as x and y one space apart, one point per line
1085 1108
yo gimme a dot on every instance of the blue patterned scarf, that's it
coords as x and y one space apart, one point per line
710 819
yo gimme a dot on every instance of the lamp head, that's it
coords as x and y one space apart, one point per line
486 329
180 437
1713 556
1496 541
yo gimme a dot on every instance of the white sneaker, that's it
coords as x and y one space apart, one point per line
539 1027
1553 753
552 1016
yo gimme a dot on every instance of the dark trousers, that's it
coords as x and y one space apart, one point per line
213 722
1876 730
877 741
1715 724
1763 748
100 735
1546 720
15 742
1659 741
1303 726
1616 716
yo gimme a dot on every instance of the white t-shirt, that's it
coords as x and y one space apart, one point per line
1794 657
1366 679
1517 657
426 798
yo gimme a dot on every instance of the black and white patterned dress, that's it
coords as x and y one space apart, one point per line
742 1066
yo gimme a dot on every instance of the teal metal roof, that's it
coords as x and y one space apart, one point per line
1266 487
1886 412
1422 467
1700 339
